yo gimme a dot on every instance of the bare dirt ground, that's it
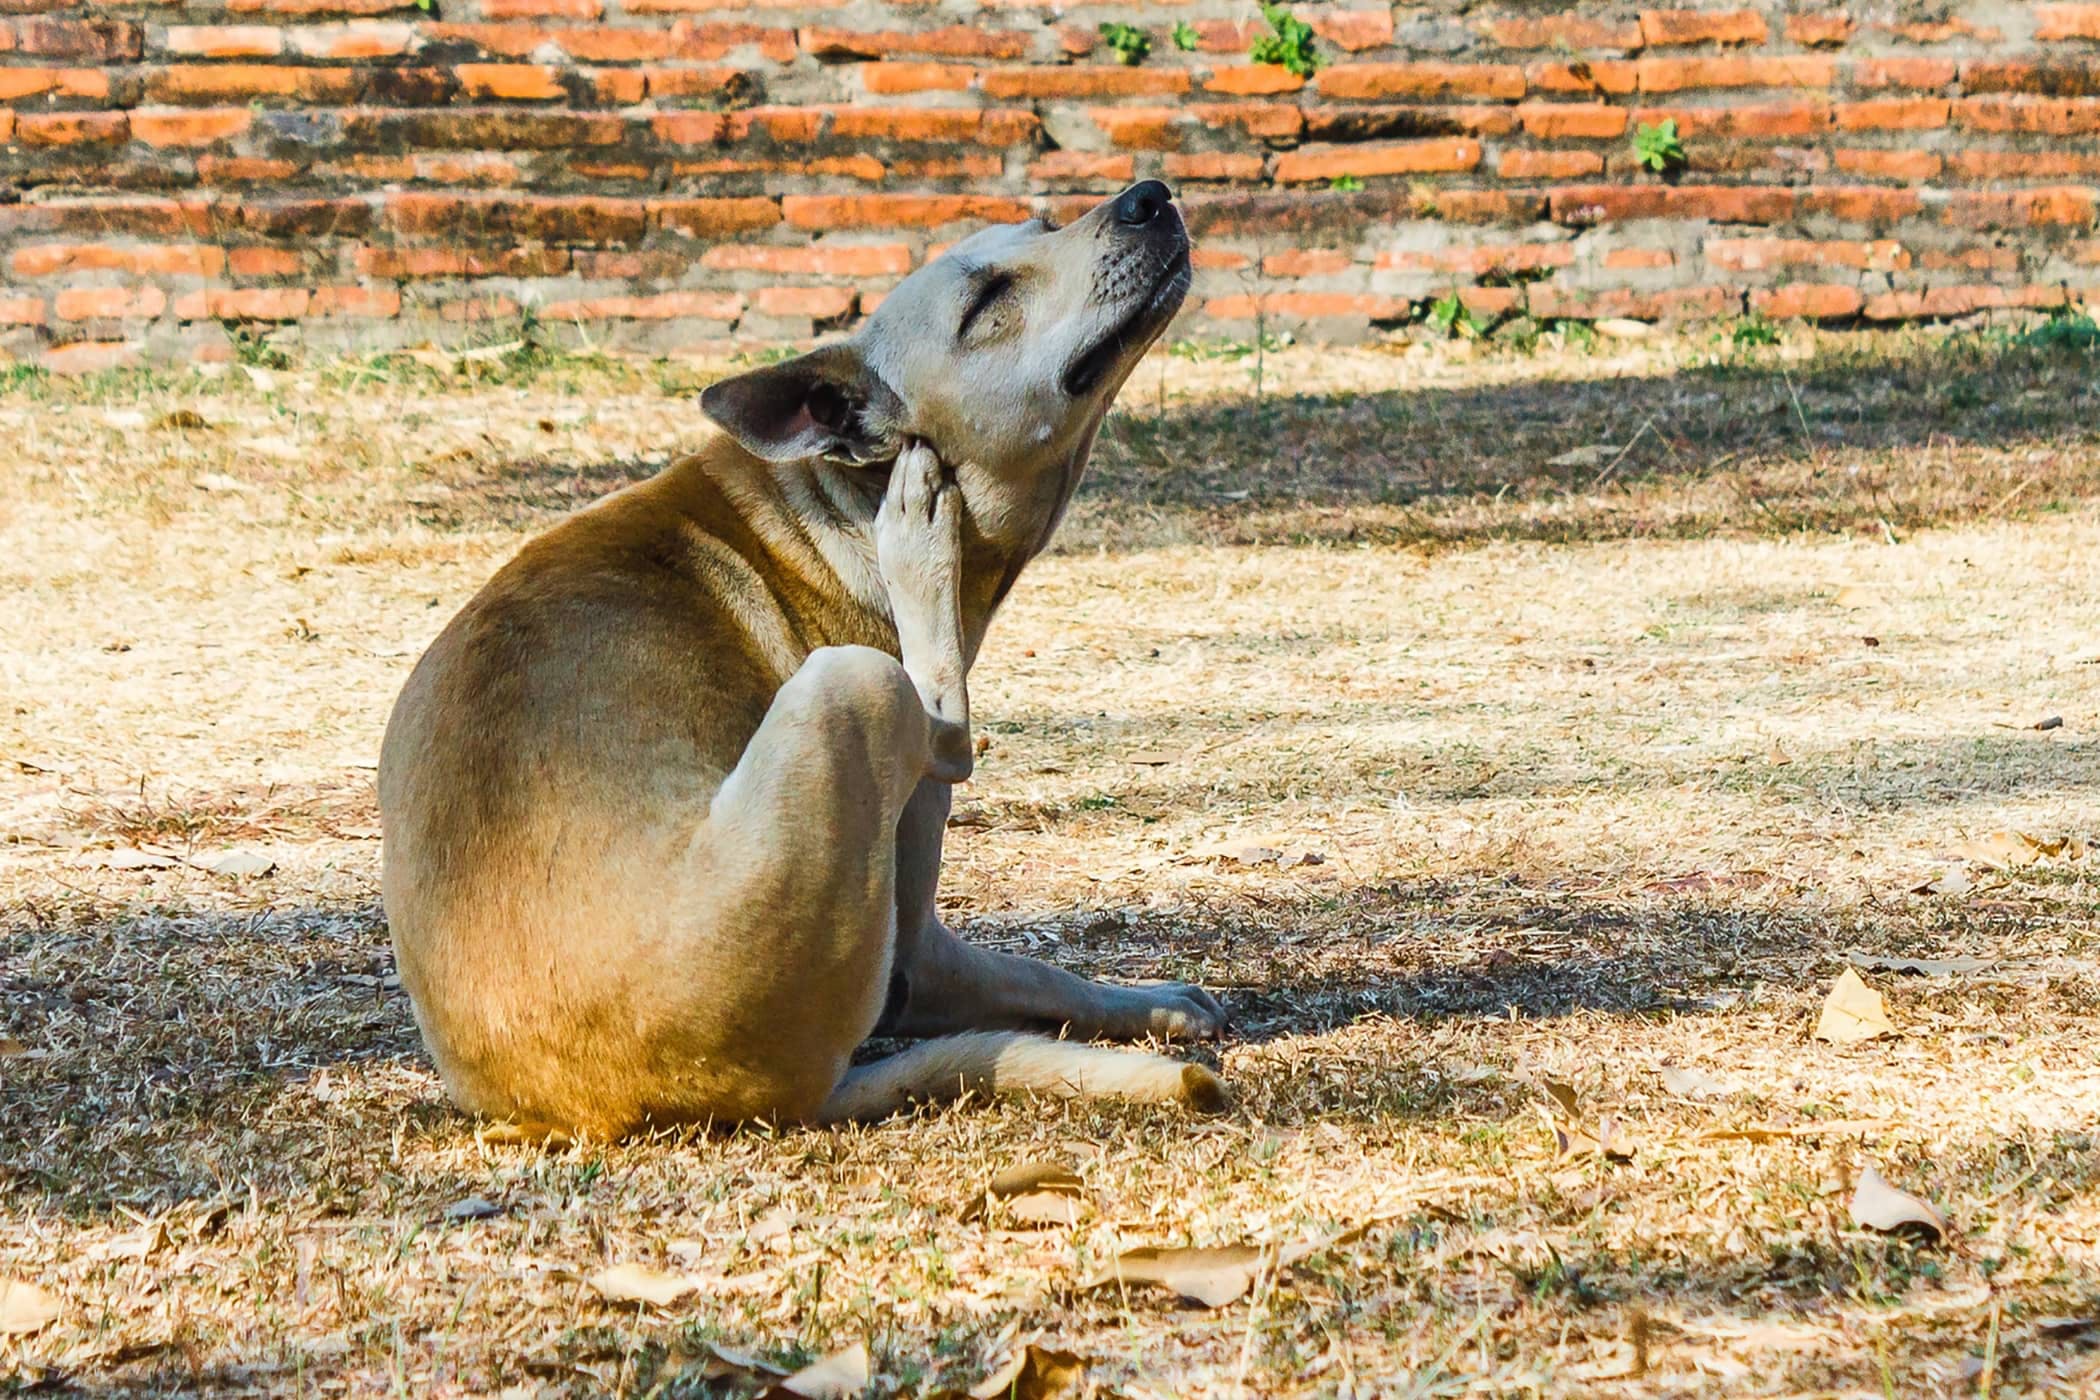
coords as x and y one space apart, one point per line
1475 722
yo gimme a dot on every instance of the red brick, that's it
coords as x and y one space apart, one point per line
1353 30
188 128
1753 121
367 303
1807 301
1307 306
1726 204
410 263
630 266
1219 260
1641 259
90 303
853 167
244 304
1680 74
169 260
1564 32
91 356
1307 262
1422 80
1817 31
224 41
817 303
21 311
1481 261
1365 161
1889 165
1612 77
1893 114
712 218
357 39
949 41
888 78
361 8
1007 84
2020 209
263 262
1943 32
822 259
1958 301
1261 120
18 83
2037 116
695 82
70 128
552 218
511 82
1082 165
481 308
1860 205
1559 121
1662 28
2054 22
240 82
543 9
245 170
1676 304
994 127
1253 80
1903 72
2051 79
88 40
662 306
2024 165
1765 254
1213 166
1549 165
898 210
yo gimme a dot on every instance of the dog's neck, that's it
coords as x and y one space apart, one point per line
818 518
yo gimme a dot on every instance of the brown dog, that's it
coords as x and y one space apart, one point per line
663 804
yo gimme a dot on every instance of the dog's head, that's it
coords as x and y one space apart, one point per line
1004 353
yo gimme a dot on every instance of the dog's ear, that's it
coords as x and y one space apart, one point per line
827 403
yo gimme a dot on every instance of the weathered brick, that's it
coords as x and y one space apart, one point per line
1481 260
241 82
21 311
1860 205
149 260
1559 121
1221 165
1767 254
2056 22
1672 304
543 9
1219 260
109 303
355 39
417 263
1398 158
214 169
1378 121
248 263
1641 259
1893 114
1957 301
223 40
1924 73
244 304
511 82
1818 31
1262 120
92 356
2020 209
822 259
18 83
2024 165
1725 204
1307 262
85 40
711 218
1609 77
365 303
1808 301
1681 74
1007 84
1661 28
816 303
1564 32
1889 165
1422 80
898 210
1748 121
2042 79
705 306
2038 116
1082 165
948 41
1253 80
312 8
1549 165
990 127
1307 306
1948 31
189 127
476 309
554 218
71 128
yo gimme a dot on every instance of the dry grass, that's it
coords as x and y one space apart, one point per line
1602 768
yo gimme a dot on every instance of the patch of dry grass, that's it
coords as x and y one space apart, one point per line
1600 766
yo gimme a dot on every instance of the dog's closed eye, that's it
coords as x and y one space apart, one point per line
989 292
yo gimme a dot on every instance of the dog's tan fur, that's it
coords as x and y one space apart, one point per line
663 804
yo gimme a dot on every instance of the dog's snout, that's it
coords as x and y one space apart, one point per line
1142 203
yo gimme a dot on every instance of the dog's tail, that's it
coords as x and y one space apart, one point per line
1004 1061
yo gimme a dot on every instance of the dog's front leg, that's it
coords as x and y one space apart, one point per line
918 546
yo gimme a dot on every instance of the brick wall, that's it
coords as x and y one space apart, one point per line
665 174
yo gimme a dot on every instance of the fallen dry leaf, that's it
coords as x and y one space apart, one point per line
1045 1210
1877 1205
2002 850
1922 967
1952 881
24 1308
129 858
1033 1373
1214 1275
1035 1193
239 864
1853 1012
1694 1084
1596 454
839 1376
636 1283
1775 1132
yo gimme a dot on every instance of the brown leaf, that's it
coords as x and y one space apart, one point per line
1045 1209
1564 1096
1879 1206
129 858
1216 1275
188 419
838 1376
2002 850
1954 880
239 864
1853 1012
24 1308
636 1283
1024 1177
722 1363
1034 1191
1033 1373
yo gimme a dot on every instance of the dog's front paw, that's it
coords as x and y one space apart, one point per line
1169 1010
918 535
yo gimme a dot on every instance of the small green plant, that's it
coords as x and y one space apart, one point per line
1289 43
1185 37
1129 43
1657 146
2065 330
1753 332
1577 335
1345 184
1452 316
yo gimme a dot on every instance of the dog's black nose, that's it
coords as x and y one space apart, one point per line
1141 203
